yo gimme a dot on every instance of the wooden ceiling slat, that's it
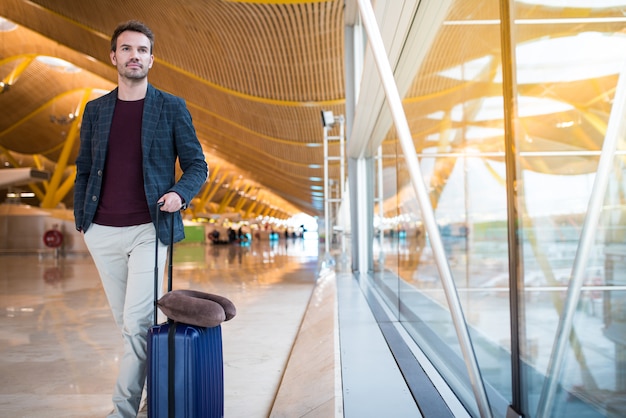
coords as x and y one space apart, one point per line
251 74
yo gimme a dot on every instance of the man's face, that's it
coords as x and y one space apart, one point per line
132 57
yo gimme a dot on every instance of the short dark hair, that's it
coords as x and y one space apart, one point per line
135 26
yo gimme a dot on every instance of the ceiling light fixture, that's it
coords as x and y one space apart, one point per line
63 120
6 25
328 119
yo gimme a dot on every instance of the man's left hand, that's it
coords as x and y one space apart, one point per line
172 202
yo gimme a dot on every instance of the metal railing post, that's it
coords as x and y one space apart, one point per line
328 198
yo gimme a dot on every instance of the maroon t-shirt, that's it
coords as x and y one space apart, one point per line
122 198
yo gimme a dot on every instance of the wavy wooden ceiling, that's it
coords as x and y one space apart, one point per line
255 76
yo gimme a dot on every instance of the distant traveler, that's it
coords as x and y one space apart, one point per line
129 142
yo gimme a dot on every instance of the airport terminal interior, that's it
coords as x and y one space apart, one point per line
418 207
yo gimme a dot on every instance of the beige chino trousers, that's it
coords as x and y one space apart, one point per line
125 258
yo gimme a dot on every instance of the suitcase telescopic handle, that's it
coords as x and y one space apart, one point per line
156 260
171 356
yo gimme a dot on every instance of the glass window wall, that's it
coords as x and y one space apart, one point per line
568 60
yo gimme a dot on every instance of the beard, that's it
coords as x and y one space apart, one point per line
132 73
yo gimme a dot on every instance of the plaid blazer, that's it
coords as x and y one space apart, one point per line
167 133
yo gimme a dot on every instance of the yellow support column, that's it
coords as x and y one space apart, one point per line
256 200
226 200
261 207
50 200
251 198
33 187
214 189
228 197
242 198
12 77
249 211
66 186
204 197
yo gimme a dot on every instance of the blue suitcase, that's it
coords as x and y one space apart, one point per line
185 364
197 390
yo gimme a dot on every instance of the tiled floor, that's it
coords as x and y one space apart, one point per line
59 346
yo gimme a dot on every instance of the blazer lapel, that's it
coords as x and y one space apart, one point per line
103 130
151 113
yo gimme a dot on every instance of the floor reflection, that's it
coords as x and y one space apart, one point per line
60 347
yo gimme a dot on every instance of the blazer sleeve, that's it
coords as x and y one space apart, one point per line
83 167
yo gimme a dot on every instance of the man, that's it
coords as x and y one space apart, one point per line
129 142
